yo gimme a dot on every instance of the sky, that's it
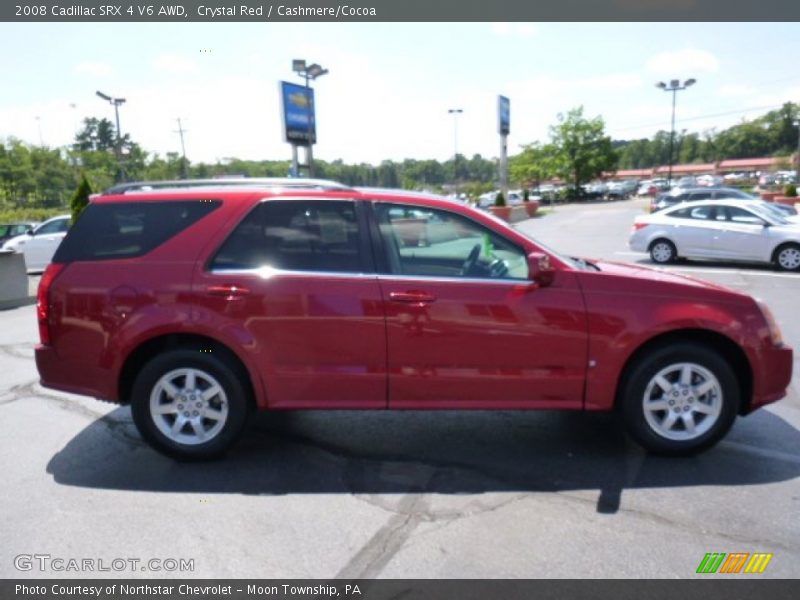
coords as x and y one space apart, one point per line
390 86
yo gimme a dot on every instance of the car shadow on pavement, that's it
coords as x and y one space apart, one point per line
470 452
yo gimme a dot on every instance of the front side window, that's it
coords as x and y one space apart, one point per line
295 235
426 242
741 216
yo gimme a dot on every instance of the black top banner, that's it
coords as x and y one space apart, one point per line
398 10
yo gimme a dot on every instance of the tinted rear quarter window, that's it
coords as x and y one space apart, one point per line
128 229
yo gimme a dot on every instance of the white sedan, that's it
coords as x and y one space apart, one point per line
41 244
718 230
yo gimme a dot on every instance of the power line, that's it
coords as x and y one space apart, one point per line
707 116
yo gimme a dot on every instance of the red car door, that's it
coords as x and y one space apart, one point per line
291 285
466 328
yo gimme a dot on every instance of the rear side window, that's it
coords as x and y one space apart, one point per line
295 235
129 229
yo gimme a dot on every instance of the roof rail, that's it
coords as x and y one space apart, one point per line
273 182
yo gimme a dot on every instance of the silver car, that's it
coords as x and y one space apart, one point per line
718 230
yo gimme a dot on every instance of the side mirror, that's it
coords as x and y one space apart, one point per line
29 231
539 268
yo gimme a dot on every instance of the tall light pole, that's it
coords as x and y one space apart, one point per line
455 112
117 102
309 73
673 86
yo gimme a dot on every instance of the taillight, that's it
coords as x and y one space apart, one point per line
638 226
43 300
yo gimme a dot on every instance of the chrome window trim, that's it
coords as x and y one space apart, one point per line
269 272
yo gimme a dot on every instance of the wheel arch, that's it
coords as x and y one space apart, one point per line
173 341
659 237
718 342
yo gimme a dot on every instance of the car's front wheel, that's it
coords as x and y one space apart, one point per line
189 404
679 399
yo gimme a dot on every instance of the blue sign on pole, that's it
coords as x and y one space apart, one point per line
299 123
503 115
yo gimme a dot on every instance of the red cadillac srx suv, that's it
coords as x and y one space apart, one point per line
198 302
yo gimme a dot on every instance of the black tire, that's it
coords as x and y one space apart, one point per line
640 384
233 400
663 252
787 257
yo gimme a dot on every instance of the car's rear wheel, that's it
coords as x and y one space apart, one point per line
787 257
679 399
663 252
189 404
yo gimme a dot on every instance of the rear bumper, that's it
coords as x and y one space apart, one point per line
774 377
55 374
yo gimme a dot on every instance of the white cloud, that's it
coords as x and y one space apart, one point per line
96 69
736 90
683 63
174 63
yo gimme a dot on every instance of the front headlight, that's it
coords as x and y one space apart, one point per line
774 331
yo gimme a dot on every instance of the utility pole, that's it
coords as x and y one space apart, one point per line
184 165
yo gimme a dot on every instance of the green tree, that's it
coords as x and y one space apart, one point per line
536 163
80 199
583 151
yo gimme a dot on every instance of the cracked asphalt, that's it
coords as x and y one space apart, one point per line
408 494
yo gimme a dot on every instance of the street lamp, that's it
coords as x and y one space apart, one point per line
116 102
797 156
673 86
455 112
309 73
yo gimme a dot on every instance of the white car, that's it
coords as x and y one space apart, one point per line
718 230
41 244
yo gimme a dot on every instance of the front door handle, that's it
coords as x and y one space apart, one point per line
412 297
228 291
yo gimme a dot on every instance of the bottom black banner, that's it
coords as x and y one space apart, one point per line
405 589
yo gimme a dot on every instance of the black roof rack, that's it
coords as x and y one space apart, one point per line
240 182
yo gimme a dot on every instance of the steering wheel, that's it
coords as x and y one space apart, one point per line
498 268
472 259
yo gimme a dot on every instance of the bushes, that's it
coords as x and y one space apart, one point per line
790 191
500 200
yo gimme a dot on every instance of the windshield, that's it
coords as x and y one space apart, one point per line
768 211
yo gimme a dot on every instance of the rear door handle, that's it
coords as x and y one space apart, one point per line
228 291
412 297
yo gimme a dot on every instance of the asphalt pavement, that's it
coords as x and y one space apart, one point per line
403 494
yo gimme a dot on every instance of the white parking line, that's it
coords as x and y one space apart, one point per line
713 271
733 272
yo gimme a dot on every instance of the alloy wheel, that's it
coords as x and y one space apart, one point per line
682 401
189 406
